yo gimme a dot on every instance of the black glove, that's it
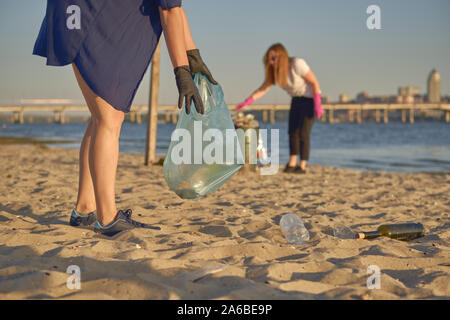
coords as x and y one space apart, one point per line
187 89
198 66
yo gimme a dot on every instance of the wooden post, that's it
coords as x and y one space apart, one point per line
21 121
377 115
167 116
133 116
264 116
359 115
150 148
138 117
324 117
447 116
272 115
61 117
351 115
174 117
411 115
386 115
404 115
331 115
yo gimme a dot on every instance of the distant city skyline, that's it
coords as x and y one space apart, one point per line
405 94
233 36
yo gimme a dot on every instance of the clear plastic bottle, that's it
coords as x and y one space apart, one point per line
261 151
293 229
343 232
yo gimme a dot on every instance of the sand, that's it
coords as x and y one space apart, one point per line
227 245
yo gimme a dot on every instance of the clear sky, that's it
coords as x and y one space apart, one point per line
233 35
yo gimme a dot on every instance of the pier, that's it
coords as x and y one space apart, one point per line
355 112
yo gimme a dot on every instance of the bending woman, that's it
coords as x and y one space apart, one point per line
294 76
110 44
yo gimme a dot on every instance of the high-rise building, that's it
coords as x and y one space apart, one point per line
363 97
344 98
409 95
434 87
408 91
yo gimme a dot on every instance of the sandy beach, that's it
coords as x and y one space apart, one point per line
233 234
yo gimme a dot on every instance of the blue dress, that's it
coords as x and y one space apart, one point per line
110 41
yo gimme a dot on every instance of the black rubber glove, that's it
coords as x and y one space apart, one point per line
187 90
198 66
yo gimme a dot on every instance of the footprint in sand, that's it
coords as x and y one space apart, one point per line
218 231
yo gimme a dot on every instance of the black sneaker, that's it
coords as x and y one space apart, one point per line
122 222
289 169
300 170
77 219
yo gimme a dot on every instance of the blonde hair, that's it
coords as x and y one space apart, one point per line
277 74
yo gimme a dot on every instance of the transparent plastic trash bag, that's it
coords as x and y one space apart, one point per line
205 150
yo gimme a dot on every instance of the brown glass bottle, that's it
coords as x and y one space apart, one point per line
402 231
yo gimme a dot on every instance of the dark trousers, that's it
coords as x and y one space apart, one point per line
301 120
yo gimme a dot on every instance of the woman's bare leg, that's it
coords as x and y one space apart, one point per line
303 164
86 197
293 160
103 151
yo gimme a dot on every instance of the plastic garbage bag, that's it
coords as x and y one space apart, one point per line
205 150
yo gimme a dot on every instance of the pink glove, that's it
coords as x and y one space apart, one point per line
318 111
242 105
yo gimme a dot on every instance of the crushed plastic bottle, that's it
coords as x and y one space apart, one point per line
204 272
341 231
293 229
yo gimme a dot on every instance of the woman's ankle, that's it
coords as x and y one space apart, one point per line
105 220
292 161
85 208
303 164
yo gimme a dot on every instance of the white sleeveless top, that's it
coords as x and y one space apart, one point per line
296 85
